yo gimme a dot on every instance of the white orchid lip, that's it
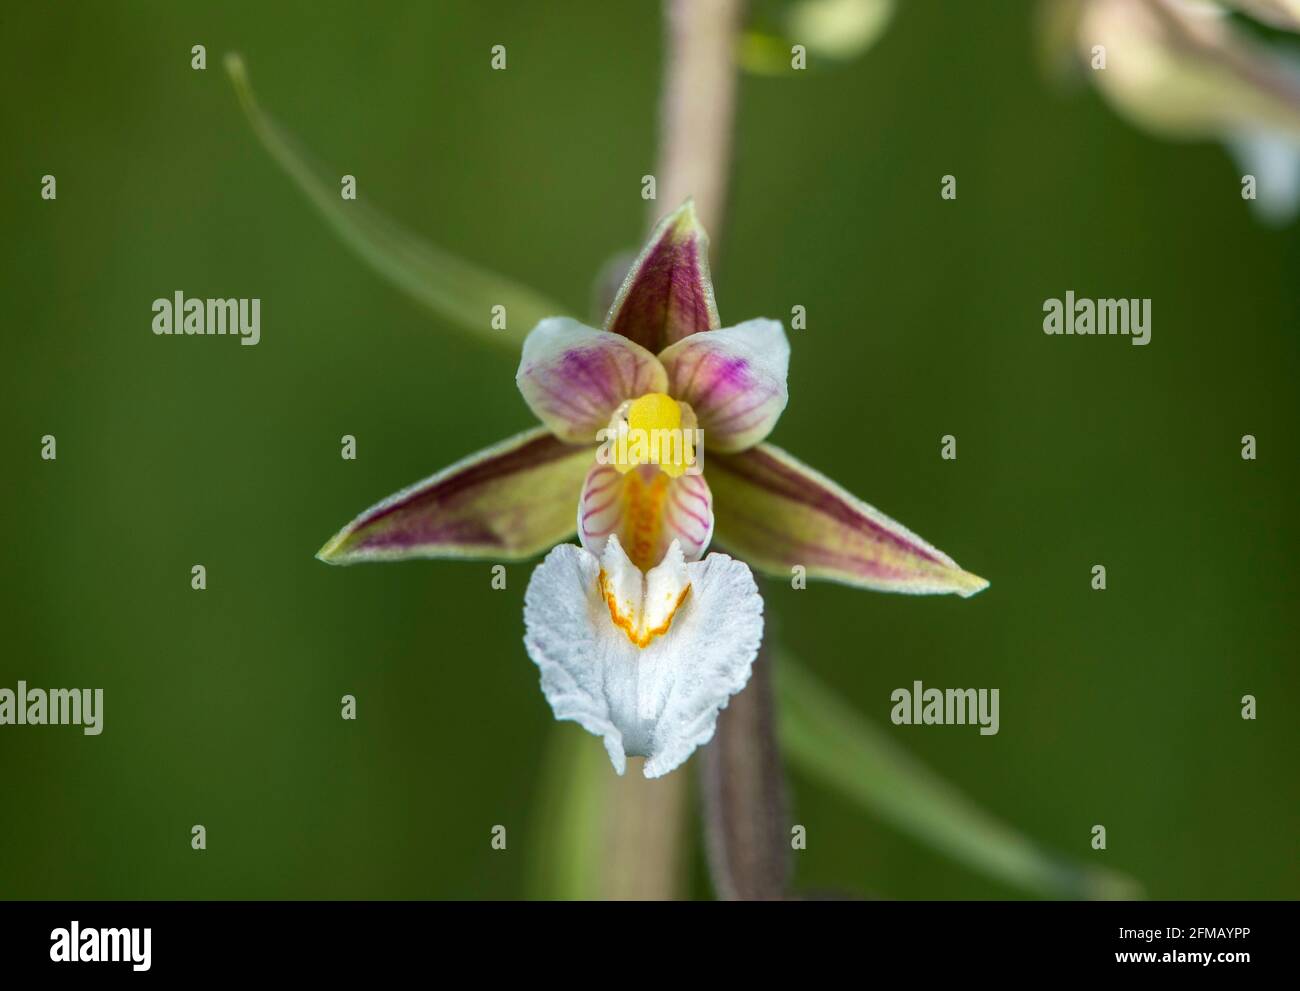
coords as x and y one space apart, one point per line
642 605
659 700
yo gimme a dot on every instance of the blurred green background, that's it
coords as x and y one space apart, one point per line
924 318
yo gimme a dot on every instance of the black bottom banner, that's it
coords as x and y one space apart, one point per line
169 940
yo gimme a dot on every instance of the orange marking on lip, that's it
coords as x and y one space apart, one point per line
627 623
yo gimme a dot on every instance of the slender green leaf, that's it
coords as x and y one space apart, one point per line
462 293
565 853
828 741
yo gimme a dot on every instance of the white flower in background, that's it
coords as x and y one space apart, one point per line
1226 70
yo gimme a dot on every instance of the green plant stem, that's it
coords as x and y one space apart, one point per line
699 104
645 818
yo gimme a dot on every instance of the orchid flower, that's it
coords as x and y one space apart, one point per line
1193 69
640 638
